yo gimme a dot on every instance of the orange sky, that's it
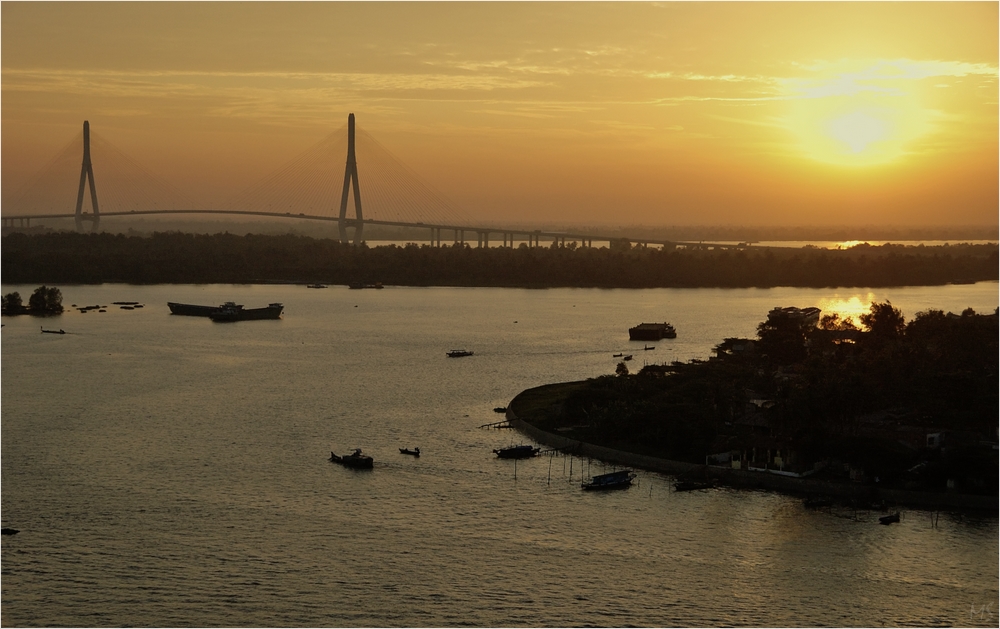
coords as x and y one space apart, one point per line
616 113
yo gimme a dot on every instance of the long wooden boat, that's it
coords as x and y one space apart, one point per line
517 452
239 313
612 480
354 460
191 310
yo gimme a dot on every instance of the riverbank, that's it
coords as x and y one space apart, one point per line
544 401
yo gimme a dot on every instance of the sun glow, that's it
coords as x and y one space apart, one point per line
858 119
849 308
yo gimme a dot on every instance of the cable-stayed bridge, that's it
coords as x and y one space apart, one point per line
377 189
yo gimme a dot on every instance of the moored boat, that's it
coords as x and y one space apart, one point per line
458 353
652 332
239 313
355 460
59 331
892 518
517 452
414 452
612 480
191 310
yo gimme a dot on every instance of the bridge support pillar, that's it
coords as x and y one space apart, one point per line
87 175
351 175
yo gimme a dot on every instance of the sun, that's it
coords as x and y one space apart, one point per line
858 130
856 120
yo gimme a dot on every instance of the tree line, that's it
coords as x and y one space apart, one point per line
865 395
225 258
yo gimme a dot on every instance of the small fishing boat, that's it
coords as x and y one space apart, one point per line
458 353
892 518
646 348
316 286
414 452
612 480
517 452
59 331
618 355
500 409
628 357
691 485
354 460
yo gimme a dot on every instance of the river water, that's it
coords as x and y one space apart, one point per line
167 470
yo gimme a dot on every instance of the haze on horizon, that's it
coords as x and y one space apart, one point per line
581 113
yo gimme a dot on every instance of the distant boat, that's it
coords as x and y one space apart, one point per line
612 480
652 332
500 409
59 331
191 310
239 313
125 303
354 460
458 353
646 348
359 285
127 307
517 452
316 286
414 452
889 519
628 357
618 355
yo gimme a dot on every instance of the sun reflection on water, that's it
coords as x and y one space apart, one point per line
847 307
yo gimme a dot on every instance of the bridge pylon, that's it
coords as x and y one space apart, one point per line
351 175
87 174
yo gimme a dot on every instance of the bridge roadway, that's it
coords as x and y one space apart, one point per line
483 233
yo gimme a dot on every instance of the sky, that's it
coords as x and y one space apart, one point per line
677 113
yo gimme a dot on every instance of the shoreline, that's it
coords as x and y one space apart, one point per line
745 479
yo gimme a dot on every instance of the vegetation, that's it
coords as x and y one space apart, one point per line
906 404
226 258
43 302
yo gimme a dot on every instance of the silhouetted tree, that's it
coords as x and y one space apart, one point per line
12 303
45 301
883 321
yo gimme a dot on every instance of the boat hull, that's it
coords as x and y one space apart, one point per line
610 481
223 315
354 461
191 310
517 452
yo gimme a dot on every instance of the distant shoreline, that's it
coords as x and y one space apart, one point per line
176 258
744 479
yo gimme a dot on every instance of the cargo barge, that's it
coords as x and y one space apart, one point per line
229 311
652 332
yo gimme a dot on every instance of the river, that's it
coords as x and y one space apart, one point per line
171 471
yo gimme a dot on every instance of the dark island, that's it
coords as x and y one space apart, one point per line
898 411
165 258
